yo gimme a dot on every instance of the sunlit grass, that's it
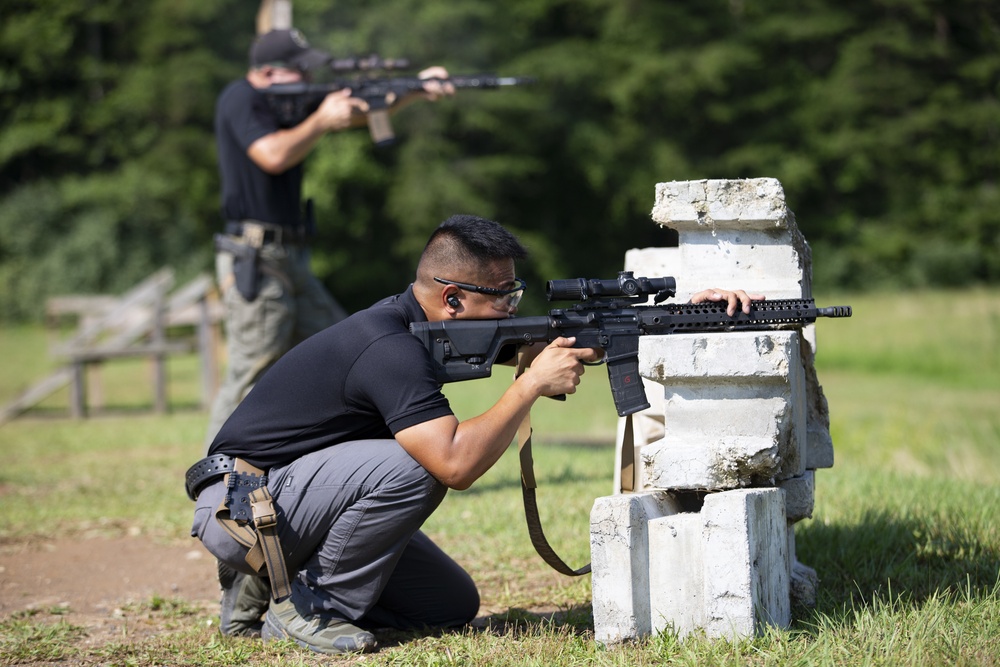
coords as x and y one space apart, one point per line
904 536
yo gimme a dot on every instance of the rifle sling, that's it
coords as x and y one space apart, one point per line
528 486
627 463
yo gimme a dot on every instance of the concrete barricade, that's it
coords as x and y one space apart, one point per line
726 454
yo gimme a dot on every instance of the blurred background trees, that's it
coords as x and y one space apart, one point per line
881 119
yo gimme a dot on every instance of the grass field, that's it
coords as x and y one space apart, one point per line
905 536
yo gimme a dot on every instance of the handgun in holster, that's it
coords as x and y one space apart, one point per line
245 257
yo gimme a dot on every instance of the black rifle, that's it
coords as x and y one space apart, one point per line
294 102
608 317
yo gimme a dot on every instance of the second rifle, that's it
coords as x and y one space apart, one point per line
294 102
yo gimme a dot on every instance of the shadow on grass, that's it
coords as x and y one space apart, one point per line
515 622
903 560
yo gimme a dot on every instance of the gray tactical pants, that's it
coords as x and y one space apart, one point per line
291 306
348 521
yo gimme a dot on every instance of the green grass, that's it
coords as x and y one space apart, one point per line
905 536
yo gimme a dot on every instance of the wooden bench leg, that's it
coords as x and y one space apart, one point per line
78 391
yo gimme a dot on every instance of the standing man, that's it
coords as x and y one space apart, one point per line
359 446
272 300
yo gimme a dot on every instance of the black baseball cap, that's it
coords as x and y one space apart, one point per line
286 48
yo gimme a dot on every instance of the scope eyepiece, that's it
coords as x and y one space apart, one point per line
624 286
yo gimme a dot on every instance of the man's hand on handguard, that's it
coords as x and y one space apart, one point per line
435 89
735 298
557 368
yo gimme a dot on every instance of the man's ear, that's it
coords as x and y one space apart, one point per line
451 301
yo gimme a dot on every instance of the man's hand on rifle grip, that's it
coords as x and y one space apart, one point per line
338 110
557 368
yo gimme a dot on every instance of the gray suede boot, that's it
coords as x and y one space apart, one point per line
245 598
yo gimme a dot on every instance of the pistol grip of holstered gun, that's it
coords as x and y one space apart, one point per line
244 266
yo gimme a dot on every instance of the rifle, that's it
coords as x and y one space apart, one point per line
293 102
608 316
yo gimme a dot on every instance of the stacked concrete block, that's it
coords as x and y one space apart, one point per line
737 426
723 570
619 536
733 407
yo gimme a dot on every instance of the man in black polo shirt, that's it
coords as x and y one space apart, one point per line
272 300
360 446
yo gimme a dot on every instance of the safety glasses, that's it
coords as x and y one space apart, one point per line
506 299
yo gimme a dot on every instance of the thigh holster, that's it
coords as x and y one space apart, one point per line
247 514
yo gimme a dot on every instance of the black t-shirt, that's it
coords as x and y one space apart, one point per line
364 377
242 116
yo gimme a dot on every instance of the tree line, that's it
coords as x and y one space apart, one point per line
880 118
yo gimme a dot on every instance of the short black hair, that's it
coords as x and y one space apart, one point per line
469 239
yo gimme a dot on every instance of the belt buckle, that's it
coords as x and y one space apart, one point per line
264 516
253 234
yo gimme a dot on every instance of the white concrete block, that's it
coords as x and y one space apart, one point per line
819 443
732 234
746 562
819 448
707 357
729 464
728 411
655 263
733 410
803 581
619 553
676 573
757 203
800 496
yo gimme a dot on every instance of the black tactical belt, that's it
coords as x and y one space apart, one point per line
269 233
205 470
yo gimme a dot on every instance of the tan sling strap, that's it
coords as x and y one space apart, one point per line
626 468
262 537
528 486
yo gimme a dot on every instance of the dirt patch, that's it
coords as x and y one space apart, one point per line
108 586
100 582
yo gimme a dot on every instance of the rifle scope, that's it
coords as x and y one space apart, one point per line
364 63
625 285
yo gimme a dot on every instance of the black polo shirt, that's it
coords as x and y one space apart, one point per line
242 116
365 377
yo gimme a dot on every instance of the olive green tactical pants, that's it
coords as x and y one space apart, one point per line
291 306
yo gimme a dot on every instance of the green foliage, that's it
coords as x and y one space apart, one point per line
879 118
106 160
